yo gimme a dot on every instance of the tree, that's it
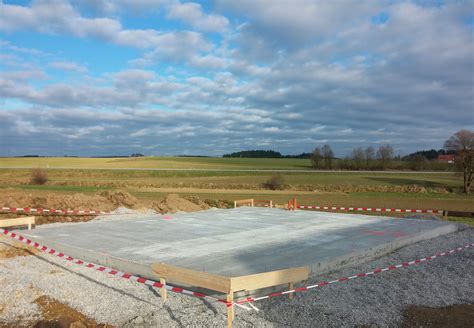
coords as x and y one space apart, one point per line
462 142
418 163
328 155
316 158
369 156
358 157
385 155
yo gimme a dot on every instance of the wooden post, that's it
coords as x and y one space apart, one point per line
235 204
295 204
163 291
251 201
230 309
290 287
271 204
445 215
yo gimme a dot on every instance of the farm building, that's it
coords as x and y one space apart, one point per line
446 158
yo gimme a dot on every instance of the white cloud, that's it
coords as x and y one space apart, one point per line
68 66
291 74
65 19
192 13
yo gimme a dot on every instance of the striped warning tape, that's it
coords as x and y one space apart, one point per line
111 271
359 275
369 209
29 210
240 303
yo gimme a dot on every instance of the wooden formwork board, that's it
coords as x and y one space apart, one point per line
243 202
28 220
230 285
263 202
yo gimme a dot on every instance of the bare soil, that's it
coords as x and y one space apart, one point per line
174 203
104 201
59 315
455 316
17 249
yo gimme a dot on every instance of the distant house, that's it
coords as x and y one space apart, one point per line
446 158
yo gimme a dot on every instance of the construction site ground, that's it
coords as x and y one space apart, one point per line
45 291
429 292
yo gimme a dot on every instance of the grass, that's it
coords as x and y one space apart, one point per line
163 162
362 189
61 188
225 179
158 162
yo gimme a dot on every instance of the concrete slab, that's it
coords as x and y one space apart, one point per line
238 241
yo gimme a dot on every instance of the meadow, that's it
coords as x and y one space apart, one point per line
439 190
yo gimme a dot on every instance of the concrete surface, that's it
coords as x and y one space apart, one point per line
238 241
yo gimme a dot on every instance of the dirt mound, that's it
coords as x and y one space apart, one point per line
105 201
174 203
120 198
57 201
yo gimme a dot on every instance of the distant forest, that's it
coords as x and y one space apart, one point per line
264 154
431 154
428 154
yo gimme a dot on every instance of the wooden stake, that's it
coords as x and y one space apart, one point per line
290 287
163 291
230 309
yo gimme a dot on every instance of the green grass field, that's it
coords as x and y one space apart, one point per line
365 189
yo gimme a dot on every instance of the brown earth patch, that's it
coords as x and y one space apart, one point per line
456 316
60 315
104 201
16 249
120 198
174 203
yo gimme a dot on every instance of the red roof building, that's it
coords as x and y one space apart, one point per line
446 158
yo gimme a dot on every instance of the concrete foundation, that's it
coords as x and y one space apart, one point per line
238 241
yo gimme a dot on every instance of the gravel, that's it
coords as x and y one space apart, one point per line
376 300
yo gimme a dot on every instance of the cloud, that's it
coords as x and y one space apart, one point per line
192 14
284 75
68 66
112 7
65 19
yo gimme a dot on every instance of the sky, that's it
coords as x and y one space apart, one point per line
169 77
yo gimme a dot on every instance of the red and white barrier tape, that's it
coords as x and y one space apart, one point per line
359 275
29 210
369 209
248 300
113 272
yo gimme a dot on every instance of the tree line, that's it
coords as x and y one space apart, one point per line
460 144
264 154
360 158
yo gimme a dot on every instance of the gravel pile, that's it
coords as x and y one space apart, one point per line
375 300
